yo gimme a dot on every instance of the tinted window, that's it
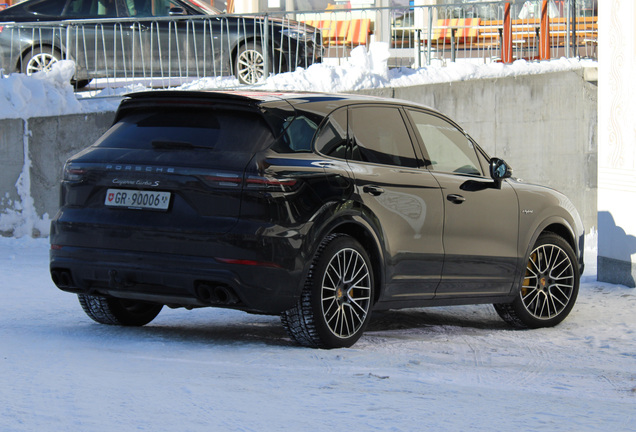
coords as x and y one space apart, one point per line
97 8
91 8
332 138
380 136
219 130
448 148
46 7
298 132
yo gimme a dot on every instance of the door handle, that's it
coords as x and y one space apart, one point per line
373 190
455 199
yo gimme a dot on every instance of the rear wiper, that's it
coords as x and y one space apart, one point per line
176 145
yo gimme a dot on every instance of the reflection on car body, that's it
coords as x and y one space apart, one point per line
318 207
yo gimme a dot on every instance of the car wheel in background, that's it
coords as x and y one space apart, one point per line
335 305
40 59
250 63
550 286
114 311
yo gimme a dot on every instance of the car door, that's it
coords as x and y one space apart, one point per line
481 219
399 197
191 44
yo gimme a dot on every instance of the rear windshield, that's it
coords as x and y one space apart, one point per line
222 131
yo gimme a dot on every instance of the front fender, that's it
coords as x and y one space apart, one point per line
546 210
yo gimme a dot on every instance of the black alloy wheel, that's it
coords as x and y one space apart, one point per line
335 305
550 286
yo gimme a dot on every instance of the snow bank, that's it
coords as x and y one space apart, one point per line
44 94
369 69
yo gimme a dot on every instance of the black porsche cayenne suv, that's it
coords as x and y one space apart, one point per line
317 207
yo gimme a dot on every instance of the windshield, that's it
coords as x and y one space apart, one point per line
205 8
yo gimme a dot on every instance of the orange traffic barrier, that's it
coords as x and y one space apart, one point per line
359 30
465 29
340 32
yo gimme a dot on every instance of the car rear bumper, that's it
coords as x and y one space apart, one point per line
175 280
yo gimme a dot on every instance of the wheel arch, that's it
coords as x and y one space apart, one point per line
554 225
562 230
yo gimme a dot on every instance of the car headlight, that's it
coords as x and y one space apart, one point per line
298 34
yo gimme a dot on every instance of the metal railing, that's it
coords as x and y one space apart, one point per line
161 50
467 31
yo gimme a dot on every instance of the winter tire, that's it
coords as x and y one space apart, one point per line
114 311
550 286
335 305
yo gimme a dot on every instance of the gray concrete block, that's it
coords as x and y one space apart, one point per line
53 141
11 159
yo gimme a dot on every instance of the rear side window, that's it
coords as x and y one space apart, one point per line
223 131
332 137
298 132
380 136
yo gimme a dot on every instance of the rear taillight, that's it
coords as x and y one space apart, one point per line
73 174
223 180
270 183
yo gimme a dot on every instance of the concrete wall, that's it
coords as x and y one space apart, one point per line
543 125
55 139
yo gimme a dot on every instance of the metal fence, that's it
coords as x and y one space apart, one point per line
464 31
161 49
250 47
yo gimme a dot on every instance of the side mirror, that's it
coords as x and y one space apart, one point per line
177 11
499 170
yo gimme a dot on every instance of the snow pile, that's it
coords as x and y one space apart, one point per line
45 94
39 95
369 69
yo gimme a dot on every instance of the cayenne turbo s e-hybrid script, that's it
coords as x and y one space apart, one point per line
320 208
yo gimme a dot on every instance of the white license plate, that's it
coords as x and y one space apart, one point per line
137 199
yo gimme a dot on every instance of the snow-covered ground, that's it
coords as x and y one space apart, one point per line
437 369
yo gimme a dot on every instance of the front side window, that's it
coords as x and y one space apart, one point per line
448 148
380 136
